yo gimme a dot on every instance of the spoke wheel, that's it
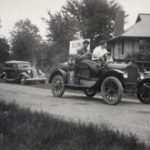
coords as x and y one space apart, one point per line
111 90
89 92
58 87
143 92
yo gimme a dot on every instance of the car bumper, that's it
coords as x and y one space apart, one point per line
36 80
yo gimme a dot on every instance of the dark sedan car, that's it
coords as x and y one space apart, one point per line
22 72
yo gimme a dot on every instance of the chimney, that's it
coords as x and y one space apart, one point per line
119 23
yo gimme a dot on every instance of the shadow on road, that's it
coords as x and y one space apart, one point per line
100 100
78 95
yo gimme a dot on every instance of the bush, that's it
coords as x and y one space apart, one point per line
26 130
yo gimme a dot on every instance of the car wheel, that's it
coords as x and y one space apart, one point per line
4 78
89 92
112 90
143 92
42 82
58 87
23 80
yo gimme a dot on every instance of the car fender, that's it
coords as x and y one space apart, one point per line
141 82
58 72
115 73
3 74
24 74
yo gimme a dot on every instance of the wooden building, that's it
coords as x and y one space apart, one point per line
135 39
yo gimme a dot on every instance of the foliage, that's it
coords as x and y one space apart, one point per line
95 18
61 30
4 50
42 57
25 40
92 19
21 129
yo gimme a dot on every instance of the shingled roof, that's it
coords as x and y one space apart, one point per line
140 29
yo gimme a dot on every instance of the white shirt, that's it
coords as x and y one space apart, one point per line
99 52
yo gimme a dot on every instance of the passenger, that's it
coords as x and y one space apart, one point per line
100 53
83 53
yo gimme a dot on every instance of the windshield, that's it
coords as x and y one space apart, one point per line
24 65
10 65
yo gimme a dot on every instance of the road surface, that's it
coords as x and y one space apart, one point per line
129 116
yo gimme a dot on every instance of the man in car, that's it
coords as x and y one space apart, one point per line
100 53
83 53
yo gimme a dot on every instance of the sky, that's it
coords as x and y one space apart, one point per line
13 10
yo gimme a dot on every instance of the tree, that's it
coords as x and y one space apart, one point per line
95 18
42 55
4 50
61 30
25 40
92 19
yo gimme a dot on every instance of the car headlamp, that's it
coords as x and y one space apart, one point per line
73 61
40 72
29 71
69 61
141 76
125 75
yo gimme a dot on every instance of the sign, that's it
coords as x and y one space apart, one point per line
75 45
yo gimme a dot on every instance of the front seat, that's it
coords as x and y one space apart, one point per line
91 64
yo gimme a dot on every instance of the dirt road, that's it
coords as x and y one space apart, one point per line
128 116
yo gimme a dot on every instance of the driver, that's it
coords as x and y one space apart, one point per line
100 53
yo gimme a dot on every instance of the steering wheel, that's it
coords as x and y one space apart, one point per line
106 57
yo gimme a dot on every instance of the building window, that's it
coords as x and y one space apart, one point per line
133 47
122 47
113 49
144 46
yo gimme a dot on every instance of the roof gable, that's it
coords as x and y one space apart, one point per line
143 17
140 29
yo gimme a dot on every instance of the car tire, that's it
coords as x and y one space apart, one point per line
112 90
3 78
57 86
143 92
42 82
90 92
23 80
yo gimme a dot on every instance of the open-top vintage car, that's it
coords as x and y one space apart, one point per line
22 72
111 79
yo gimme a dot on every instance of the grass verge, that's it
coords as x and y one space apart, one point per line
21 129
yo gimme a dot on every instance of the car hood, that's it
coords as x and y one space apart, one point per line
119 66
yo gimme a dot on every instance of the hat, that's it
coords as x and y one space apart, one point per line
86 42
102 42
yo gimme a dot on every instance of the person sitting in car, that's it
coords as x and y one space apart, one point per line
83 53
100 53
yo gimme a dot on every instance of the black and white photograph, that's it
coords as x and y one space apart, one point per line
74 75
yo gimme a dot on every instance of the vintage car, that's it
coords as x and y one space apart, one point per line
21 72
112 80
